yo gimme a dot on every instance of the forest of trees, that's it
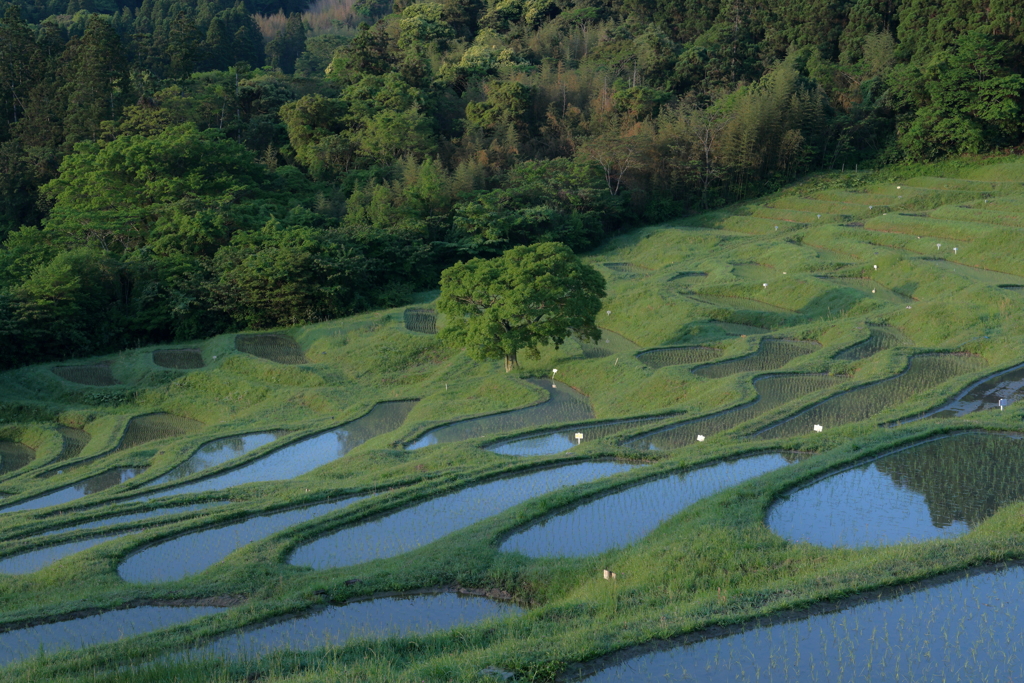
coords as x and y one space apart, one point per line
172 169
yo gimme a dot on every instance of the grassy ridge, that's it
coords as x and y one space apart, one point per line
715 563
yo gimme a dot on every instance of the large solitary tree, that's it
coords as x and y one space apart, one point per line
529 296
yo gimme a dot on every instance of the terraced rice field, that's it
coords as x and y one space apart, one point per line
179 359
827 500
278 348
95 375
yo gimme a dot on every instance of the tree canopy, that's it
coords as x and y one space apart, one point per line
529 296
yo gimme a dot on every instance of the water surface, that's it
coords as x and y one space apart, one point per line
939 488
303 456
561 440
94 484
1006 386
404 615
408 529
564 405
216 453
93 630
14 456
618 519
967 630
192 553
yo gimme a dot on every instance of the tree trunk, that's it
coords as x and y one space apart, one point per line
511 362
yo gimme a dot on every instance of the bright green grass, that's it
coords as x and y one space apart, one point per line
714 563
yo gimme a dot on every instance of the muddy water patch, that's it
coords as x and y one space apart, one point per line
939 488
303 456
772 354
677 355
179 359
278 348
106 627
618 519
423 523
996 391
564 404
192 553
772 391
964 630
14 456
923 372
395 616
94 484
551 443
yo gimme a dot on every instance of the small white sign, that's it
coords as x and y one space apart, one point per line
765 284
700 437
876 267
818 428
579 438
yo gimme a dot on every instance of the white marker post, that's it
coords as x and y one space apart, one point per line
938 246
700 437
1002 403
579 438
553 373
954 250
876 267
765 285
818 428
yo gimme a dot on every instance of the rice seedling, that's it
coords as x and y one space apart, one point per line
95 375
408 529
879 339
771 354
278 348
610 344
923 372
940 488
689 277
398 616
74 441
14 456
564 404
420 320
628 270
623 517
145 428
21 643
179 359
995 391
772 391
677 355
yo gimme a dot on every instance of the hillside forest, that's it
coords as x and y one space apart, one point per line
172 169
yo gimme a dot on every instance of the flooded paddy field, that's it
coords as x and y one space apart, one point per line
94 484
940 488
278 348
998 391
922 373
965 630
179 359
216 453
558 441
879 339
420 320
610 344
384 617
96 375
400 532
772 354
772 391
677 355
14 456
623 517
95 629
302 456
564 404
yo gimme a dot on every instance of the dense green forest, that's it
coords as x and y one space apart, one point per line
171 169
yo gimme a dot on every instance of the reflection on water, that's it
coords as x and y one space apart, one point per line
551 443
426 522
192 553
621 518
93 630
1005 386
772 392
772 354
936 489
564 405
306 455
922 373
34 560
377 618
94 484
966 630
216 453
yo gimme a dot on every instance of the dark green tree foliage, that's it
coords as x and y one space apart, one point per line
527 297
283 50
